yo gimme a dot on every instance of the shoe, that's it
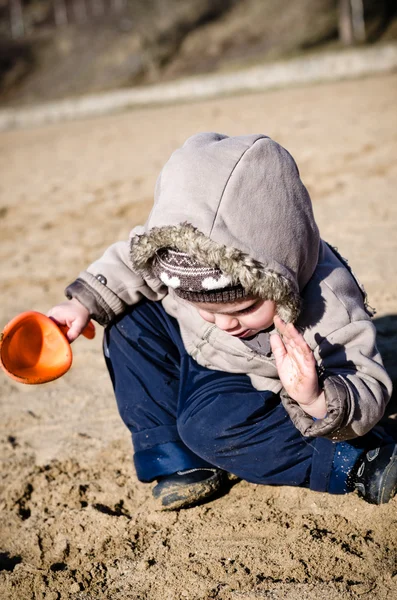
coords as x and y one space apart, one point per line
375 475
187 488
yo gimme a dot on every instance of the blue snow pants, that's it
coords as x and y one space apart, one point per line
182 415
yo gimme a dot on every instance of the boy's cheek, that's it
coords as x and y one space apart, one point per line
206 316
255 323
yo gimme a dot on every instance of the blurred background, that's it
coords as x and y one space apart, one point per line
52 49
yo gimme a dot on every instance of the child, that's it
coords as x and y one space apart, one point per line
238 342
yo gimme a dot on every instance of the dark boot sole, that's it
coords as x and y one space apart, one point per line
377 483
175 496
389 481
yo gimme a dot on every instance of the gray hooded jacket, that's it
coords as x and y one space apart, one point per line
238 203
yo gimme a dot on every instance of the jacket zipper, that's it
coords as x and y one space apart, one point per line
204 340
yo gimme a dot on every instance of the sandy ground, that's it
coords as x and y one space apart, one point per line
75 522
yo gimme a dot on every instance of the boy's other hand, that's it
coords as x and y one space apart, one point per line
296 367
72 314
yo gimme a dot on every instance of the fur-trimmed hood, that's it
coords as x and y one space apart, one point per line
236 203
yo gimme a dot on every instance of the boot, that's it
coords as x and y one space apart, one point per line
187 488
375 474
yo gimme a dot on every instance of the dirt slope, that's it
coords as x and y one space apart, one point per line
156 40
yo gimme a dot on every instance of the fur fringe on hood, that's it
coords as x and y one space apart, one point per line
233 262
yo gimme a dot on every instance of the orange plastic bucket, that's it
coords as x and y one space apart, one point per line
34 349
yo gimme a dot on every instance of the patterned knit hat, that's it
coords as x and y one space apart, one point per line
192 280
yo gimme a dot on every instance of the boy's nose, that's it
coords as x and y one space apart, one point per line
226 322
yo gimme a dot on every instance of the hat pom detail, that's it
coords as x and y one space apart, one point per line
210 283
172 282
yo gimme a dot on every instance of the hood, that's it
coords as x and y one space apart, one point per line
236 203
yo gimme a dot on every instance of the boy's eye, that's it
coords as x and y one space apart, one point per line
248 310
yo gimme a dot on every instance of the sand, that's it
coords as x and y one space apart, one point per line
75 522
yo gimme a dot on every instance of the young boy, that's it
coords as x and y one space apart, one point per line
237 340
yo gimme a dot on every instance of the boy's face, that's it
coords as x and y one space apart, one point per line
242 319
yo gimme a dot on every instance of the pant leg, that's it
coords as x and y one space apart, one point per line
230 424
223 419
346 455
142 353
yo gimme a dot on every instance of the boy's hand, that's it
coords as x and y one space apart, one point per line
72 314
297 369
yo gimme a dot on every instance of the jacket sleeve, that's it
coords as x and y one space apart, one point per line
356 385
109 285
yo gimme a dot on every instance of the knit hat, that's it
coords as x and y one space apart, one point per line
192 280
